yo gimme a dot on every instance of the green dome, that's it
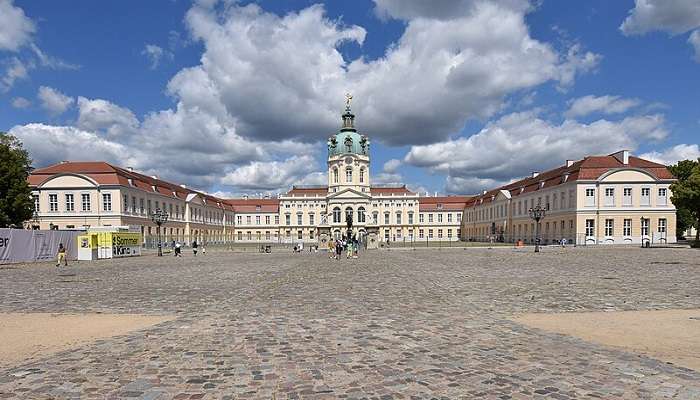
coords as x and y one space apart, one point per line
348 141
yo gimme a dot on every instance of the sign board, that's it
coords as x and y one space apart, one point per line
118 244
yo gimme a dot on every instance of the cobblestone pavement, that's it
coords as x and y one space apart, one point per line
391 325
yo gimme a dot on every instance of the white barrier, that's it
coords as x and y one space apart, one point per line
19 245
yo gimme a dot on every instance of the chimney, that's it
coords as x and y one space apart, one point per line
131 169
569 163
154 176
623 156
483 192
245 197
183 186
64 162
535 174
435 194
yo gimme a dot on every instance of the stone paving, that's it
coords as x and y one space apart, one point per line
424 324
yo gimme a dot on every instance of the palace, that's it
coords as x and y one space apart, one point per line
616 198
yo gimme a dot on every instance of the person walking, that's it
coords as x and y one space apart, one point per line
194 247
331 249
61 256
338 249
178 249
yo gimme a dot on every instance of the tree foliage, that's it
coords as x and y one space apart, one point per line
15 194
686 193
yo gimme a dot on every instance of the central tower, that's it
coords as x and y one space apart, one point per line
348 156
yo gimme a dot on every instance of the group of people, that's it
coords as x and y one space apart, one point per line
336 247
177 248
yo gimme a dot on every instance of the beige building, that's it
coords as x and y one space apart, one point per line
79 195
614 199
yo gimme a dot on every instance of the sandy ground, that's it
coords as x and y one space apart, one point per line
27 336
667 335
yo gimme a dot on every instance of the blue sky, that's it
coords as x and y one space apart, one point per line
457 96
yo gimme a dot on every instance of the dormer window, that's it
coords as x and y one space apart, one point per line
258 208
174 194
541 184
439 206
564 178
131 181
155 189
522 189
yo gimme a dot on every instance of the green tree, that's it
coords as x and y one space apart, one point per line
686 191
15 195
684 217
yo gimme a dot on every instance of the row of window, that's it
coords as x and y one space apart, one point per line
348 175
175 212
350 214
626 227
644 199
69 202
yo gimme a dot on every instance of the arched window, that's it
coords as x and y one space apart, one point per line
348 214
335 175
361 214
348 175
336 215
362 175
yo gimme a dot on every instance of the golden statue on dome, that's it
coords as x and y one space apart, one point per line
348 99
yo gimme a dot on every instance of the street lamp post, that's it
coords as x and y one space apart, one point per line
159 217
537 213
641 230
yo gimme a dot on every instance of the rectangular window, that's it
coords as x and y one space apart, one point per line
311 234
287 219
141 206
125 204
449 233
439 233
267 235
609 197
421 218
248 220
249 235
277 219
70 202
662 225
590 227
590 197
627 196
459 217
398 218
239 219
646 196
386 218
440 217
430 233
299 235
149 206
420 234
410 218
312 219
267 220
106 201
240 235
430 218
645 226
627 227
53 202
299 219
609 224
35 198
257 220
177 211
661 199
85 200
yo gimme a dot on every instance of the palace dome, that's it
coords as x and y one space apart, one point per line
347 140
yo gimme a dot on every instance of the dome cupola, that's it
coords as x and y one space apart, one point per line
347 140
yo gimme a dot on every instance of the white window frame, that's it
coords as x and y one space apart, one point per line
85 206
589 197
609 227
53 205
627 227
106 201
627 199
70 202
609 197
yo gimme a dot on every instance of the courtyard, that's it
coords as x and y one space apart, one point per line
399 324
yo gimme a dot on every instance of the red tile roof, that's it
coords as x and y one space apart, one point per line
443 203
300 191
254 205
379 190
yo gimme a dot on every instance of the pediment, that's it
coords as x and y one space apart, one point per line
349 194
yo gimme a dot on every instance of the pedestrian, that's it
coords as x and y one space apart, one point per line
563 242
349 252
204 251
194 247
61 256
338 249
178 249
331 249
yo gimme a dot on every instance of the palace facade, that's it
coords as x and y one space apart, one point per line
616 198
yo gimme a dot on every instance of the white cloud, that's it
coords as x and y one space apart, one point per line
599 104
392 166
104 116
470 185
271 175
672 16
672 155
694 41
16 29
52 144
155 54
444 9
20 102
519 143
14 71
53 101
283 77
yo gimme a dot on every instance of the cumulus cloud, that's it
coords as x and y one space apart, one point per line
14 70
519 143
389 174
284 77
672 16
672 155
104 116
20 102
16 29
694 41
271 175
392 166
155 54
586 105
53 101
445 9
